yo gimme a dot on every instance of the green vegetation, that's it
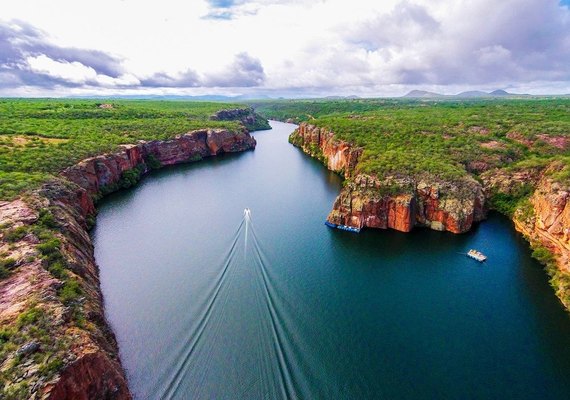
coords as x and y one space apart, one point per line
34 325
508 203
39 138
6 264
450 140
447 139
559 280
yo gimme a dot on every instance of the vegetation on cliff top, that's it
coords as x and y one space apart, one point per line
446 139
453 139
39 138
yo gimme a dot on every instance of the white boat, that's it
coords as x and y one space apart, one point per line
477 255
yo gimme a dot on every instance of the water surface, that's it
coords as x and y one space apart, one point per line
298 310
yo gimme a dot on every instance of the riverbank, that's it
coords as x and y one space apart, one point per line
56 343
405 201
350 311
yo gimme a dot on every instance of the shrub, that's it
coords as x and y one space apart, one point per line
5 335
47 219
543 255
58 269
51 367
8 263
153 162
70 291
50 247
16 234
131 177
29 317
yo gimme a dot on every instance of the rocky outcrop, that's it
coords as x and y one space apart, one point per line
58 343
102 174
399 203
544 219
339 156
90 377
550 221
246 116
443 206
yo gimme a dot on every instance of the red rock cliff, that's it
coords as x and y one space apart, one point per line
97 174
338 156
64 349
544 220
366 201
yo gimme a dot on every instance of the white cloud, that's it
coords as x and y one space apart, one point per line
327 46
77 73
74 72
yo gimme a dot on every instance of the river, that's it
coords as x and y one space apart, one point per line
207 304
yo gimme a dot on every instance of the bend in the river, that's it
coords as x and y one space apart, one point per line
208 305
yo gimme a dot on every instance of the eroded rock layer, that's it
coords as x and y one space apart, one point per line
61 346
544 219
403 202
395 202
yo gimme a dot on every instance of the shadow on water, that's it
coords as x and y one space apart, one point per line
299 310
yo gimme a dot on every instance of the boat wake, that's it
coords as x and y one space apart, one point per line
244 324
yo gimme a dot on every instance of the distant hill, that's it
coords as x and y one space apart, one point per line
351 97
421 94
500 92
473 93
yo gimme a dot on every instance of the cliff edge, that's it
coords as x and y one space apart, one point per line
543 219
397 202
56 343
404 201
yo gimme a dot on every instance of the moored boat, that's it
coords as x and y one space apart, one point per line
348 228
477 255
342 227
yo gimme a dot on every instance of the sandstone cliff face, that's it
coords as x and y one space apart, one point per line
544 219
61 346
366 201
247 116
100 174
550 224
442 206
320 143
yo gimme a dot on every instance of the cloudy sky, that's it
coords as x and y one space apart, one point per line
283 47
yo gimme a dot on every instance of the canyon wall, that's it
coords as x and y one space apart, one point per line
401 203
394 202
544 219
60 346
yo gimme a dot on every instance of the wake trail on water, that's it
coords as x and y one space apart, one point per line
262 350
192 340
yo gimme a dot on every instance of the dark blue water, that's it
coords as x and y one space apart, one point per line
208 306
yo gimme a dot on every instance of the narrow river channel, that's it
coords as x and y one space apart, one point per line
209 304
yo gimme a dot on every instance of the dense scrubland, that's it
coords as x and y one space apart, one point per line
512 146
447 139
39 138
51 311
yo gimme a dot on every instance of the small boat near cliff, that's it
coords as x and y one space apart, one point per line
477 255
342 227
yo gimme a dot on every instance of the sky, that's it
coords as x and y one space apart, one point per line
289 48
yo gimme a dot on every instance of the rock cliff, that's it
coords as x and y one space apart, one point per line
337 155
544 219
247 116
403 202
102 174
56 343
394 202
